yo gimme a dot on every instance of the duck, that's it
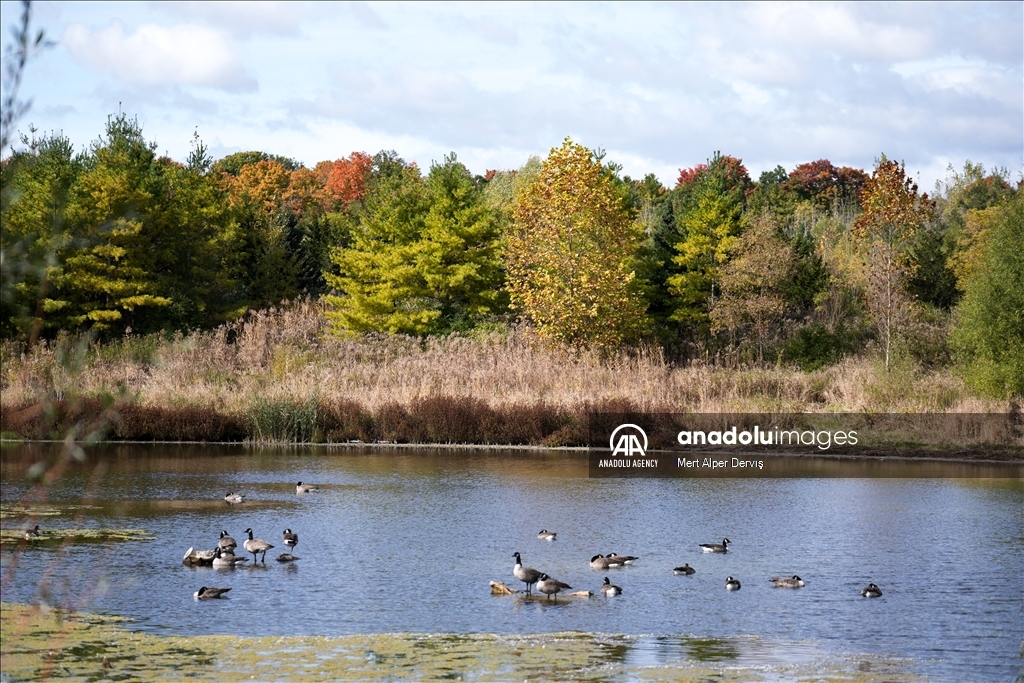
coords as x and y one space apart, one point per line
795 582
621 559
609 589
716 548
546 535
685 569
232 498
32 534
226 542
305 488
602 562
527 575
551 587
871 591
287 557
255 546
732 584
222 559
205 593
290 539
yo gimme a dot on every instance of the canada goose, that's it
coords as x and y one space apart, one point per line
550 587
609 589
795 582
287 557
685 569
223 559
290 539
546 535
622 559
232 498
305 488
256 545
715 548
732 584
32 534
872 591
226 542
527 575
602 562
205 593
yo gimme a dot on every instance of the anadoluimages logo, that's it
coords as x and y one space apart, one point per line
628 443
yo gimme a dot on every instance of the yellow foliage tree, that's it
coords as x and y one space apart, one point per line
570 254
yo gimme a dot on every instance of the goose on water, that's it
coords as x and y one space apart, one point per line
551 587
223 559
232 498
546 535
527 575
732 584
32 534
685 569
609 588
287 557
205 593
795 582
715 547
872 591
602 562
255 546
621 559
305 488
226 542
290 539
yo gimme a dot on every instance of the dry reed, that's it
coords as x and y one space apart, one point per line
285 357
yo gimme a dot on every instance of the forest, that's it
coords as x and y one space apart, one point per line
796 269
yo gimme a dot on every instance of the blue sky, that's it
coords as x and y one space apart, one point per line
659 86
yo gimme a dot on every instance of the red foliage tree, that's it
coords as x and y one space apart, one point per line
347 180
822 182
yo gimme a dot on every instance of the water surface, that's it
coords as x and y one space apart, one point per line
406 541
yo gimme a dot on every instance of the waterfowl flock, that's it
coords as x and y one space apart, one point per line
550 587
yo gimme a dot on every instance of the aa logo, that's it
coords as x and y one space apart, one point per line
628 443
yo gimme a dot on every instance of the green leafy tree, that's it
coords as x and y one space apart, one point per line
989 332
423 257
570 254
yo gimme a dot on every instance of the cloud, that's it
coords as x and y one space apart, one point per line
155 55
243 19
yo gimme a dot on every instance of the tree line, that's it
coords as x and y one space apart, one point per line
801 266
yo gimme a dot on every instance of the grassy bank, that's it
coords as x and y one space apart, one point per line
278 376
39 645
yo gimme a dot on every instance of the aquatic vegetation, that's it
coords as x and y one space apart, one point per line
8 511
40 644
62 536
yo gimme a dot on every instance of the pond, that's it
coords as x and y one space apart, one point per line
407 541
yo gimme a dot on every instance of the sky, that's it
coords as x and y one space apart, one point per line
659 86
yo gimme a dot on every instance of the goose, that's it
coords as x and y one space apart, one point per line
226 542
546 535
287 557
685 569
795 582
872 591
290 539
715 548
527 575
232 498
602 562
222 559
622 559
32 534
609 589
256 545
205 593
305 488
550 587
732 584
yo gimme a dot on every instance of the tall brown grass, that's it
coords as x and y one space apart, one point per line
283 359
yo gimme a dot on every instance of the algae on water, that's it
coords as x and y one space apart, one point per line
40 644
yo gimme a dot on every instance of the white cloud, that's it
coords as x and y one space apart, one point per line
159 55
